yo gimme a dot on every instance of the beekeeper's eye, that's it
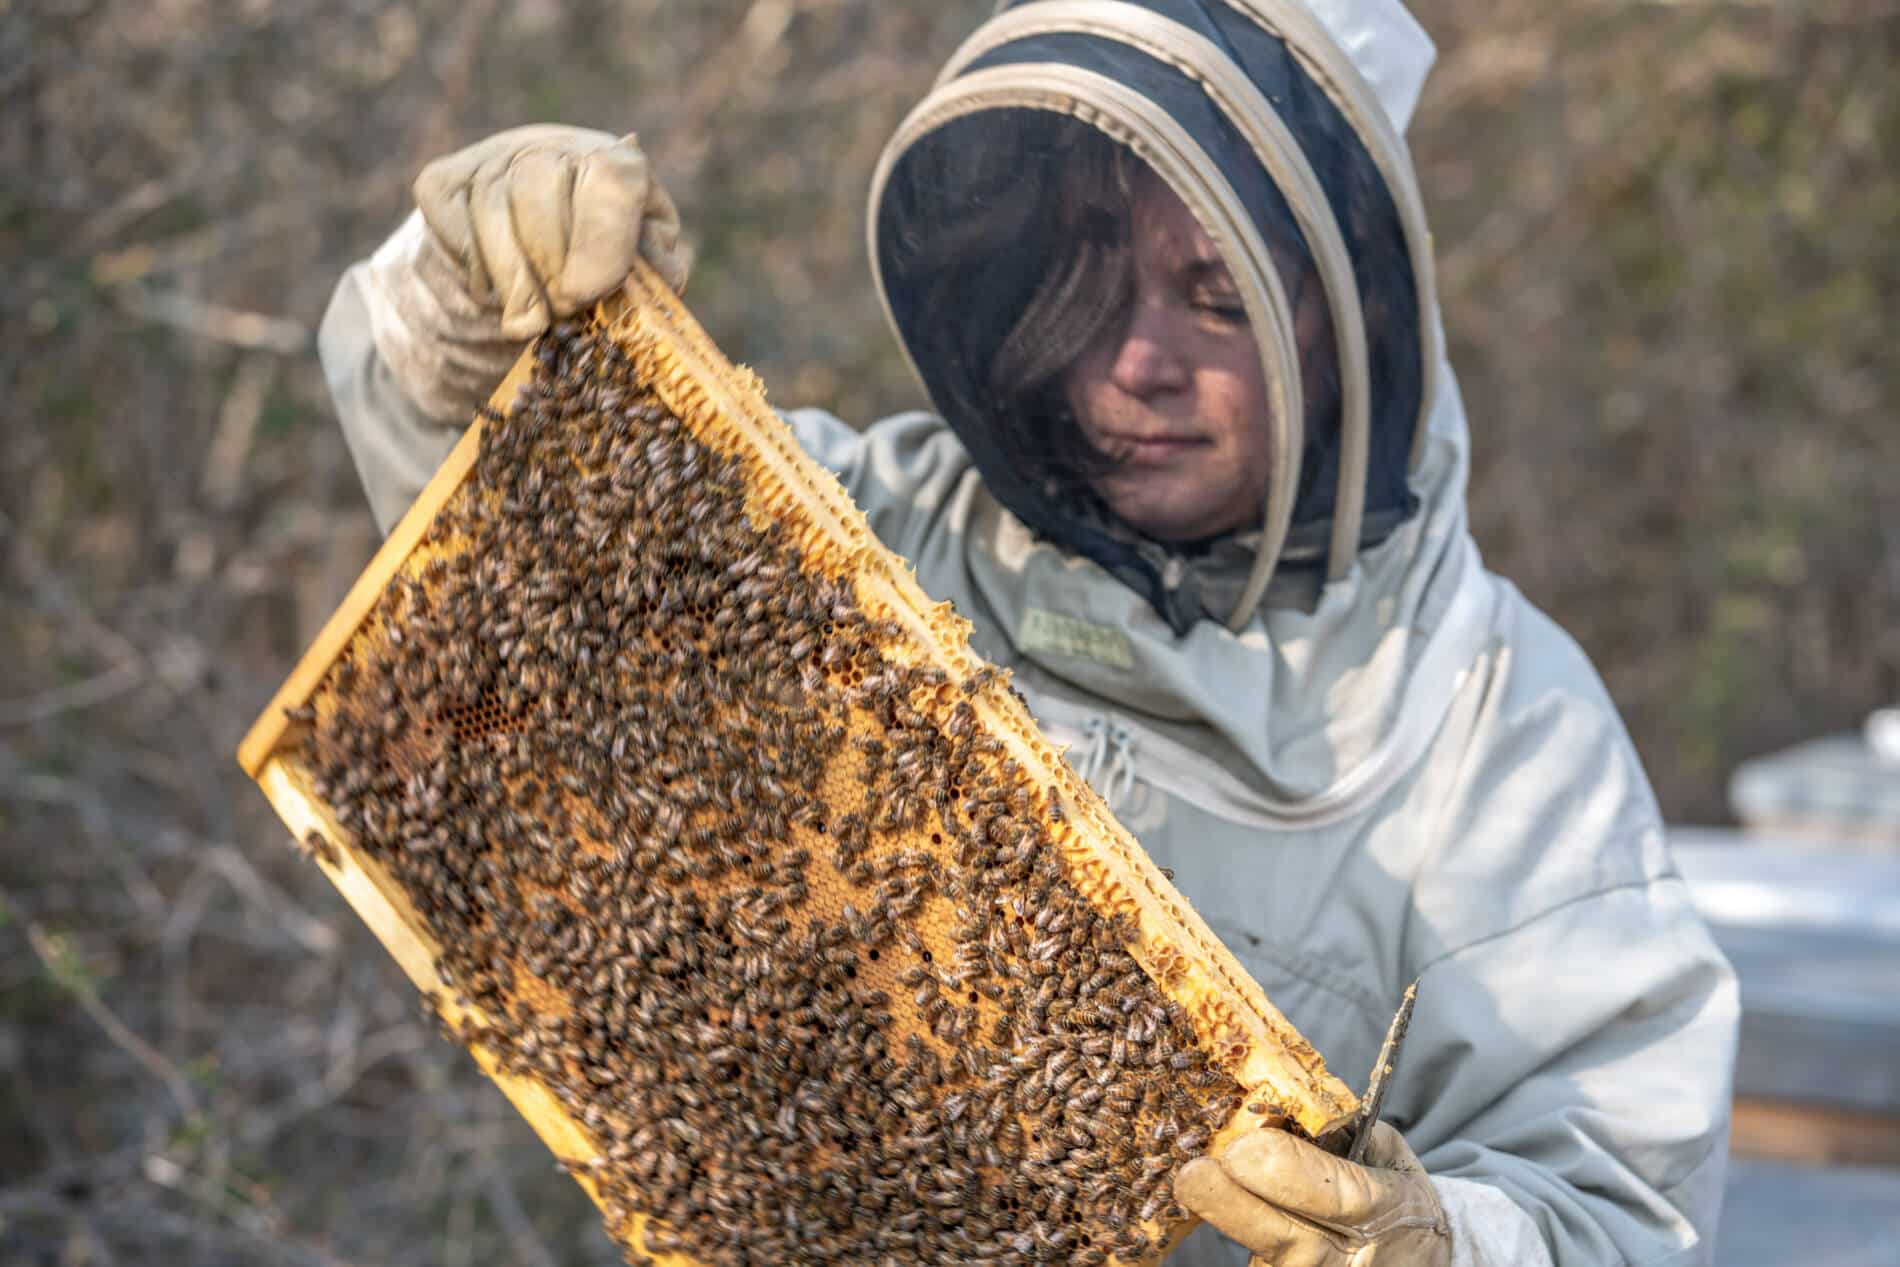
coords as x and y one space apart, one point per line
1205 286
1222 307
1212 293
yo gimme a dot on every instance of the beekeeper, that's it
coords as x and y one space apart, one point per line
1197 473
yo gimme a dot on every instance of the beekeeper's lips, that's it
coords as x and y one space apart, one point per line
1152 449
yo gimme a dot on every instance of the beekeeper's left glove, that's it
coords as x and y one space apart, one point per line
510 235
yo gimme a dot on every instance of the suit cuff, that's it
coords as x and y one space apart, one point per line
1488 1229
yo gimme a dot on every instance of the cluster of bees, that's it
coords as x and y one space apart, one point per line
743 883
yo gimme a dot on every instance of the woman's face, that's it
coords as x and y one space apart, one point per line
1173 391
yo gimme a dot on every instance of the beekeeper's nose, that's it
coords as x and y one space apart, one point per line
1149 359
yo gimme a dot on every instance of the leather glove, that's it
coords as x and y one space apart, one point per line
510 235
543 220
1294 1205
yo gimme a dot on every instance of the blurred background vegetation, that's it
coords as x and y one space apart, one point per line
1665 242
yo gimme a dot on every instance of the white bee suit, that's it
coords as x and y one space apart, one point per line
1385 765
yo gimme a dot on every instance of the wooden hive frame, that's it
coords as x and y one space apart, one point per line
1231 1017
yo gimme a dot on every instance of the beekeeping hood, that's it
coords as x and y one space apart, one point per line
1277 124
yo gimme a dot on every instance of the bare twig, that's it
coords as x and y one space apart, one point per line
256 330
506 1203
44 706
309 932
237 428
196 248
49 953
127 209
337 1082
98 1248
457 76
51 593
234 1242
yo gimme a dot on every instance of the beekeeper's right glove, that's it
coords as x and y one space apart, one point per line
510 235
1294 1205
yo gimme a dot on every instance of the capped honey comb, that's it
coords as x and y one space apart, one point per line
760 895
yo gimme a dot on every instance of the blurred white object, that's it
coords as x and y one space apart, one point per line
1813 931
1842 788
1883 734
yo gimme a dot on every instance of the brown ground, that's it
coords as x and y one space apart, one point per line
1667 264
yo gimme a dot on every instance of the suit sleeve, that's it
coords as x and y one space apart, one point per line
1574 1044
396 446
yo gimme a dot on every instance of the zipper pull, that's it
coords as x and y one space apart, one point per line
1096 739
1121 772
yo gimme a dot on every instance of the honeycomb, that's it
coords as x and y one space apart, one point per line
763 897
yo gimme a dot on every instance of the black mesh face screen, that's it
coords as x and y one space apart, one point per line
1003 248
999 237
